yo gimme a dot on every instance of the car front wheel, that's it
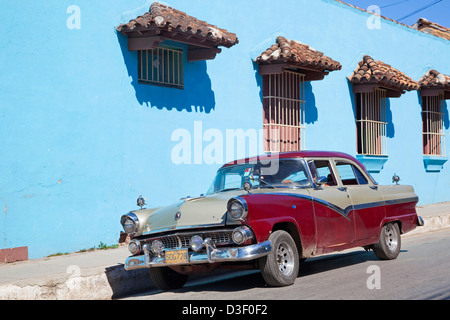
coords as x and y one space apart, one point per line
280 267
388 246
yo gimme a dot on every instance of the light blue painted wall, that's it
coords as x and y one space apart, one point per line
80 139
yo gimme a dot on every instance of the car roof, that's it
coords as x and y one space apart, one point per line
294 154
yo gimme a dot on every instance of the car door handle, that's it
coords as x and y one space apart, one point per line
374 187
342 189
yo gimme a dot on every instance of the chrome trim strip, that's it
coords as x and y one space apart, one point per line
200 226
211 233
213 255
400 201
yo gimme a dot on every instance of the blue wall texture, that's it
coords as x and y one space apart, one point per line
80 139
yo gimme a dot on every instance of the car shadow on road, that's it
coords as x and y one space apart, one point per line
235 281
335 261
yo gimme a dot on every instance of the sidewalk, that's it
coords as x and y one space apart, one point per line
99 274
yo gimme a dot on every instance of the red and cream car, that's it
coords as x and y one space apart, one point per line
271 212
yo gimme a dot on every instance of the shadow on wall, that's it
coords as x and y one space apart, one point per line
196 96
446 116
311 112
390 128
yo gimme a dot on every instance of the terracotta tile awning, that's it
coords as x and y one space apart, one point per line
370 74
434 83
435 29
163 22
287 53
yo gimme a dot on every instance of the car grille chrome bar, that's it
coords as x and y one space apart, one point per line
181 240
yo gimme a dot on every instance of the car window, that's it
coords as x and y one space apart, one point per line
350 175
321 172
232 181
290 173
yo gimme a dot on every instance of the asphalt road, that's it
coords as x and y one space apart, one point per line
420 272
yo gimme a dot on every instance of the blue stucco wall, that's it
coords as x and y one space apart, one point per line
80 139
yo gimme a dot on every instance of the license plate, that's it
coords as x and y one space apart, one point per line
176 256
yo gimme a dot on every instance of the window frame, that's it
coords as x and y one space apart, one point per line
284 111
371 123
433 108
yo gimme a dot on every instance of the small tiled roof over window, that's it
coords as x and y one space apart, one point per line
294 54
371 72
298 54
163 22
427 26
434 79
435 83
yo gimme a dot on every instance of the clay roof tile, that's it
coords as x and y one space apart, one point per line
297 54
169 19
378 72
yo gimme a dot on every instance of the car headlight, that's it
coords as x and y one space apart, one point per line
130 223
134 247
237 208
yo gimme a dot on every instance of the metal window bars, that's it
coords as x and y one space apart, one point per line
161 66
371 124
433 132
284 112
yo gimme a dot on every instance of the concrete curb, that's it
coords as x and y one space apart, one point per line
92 284
110 282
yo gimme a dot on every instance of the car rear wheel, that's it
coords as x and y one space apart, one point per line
388 246
165 278
280 267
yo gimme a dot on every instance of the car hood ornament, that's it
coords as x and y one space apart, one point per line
140 201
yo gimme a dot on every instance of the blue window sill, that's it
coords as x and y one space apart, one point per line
434 163
373 164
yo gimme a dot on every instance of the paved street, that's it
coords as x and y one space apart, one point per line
420 272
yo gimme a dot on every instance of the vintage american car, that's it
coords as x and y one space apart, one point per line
271 212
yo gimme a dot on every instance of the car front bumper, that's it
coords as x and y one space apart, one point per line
211 255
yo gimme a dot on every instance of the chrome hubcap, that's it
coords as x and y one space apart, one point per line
391 238
285 259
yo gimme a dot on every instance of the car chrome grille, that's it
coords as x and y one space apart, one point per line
181 240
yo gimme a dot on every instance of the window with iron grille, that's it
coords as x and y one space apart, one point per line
284 112
371 123
161 66
433 125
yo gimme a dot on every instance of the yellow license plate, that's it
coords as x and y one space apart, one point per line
176 256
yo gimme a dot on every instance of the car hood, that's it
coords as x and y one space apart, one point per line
210 210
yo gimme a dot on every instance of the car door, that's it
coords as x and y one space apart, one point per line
332 205
368 204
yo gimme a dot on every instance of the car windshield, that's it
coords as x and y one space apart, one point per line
286 173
